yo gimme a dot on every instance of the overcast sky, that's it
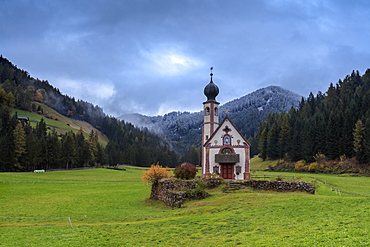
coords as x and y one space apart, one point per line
153 56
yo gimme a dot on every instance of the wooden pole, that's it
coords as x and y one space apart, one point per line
70 222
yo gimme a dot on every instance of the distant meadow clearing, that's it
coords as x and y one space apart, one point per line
101 207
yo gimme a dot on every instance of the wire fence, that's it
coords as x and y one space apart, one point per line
34 220
341 191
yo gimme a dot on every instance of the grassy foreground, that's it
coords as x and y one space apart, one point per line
110 208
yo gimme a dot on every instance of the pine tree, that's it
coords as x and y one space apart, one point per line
41 129
262 141
6 105
367 137
192 156
81 148
33 157
283 135
273 142
54 150
19 144
69 150
359 141
333 135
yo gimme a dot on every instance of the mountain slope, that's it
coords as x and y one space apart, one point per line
183 129
59 122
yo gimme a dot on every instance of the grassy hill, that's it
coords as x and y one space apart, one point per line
110 208
258 164
59 122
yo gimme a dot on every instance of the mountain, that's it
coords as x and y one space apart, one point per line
183 129
328 133
51 139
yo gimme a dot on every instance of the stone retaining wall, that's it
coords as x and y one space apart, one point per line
173 193
277 185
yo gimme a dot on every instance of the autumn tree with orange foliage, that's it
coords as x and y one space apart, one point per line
153 175
38 96
156 173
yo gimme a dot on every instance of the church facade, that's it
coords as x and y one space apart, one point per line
225 151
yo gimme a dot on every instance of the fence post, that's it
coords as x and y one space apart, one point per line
70 222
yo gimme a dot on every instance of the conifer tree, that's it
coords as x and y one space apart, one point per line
367 137
69 150
54 150
19 144
359 141
333 130
6 105
273 142
33 157
262 141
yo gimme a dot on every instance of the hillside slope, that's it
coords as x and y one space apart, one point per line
59 122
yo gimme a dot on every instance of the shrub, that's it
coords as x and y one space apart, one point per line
185 171
313 167
197 193
279 178
155 173
320 158
282 166
301 166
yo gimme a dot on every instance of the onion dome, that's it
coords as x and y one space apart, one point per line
211 90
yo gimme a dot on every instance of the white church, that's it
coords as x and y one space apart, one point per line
225 151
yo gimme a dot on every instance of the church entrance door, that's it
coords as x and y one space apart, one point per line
227 171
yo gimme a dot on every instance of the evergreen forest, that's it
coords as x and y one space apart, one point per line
327 133
26 148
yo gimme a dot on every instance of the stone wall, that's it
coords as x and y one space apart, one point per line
273 185
174 193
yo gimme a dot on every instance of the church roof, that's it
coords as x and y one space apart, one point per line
211 90
219 128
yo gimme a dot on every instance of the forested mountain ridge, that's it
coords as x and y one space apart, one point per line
183 129
328 132
24 147
25 88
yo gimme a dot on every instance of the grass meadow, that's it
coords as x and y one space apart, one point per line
60 123
102 207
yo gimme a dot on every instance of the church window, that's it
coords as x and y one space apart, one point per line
226 151
207 111
216 111
238 170
227 140
216 170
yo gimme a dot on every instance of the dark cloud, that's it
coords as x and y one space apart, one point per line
152 57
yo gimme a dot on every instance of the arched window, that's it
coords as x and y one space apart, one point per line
216 170
227 140
227 151
206 112
238 170
216 111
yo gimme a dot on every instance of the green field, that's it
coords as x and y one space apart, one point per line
259 165
110 208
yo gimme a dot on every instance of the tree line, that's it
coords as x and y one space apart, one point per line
25 88
23 147
330 126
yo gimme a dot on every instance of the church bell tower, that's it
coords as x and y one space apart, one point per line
210 123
